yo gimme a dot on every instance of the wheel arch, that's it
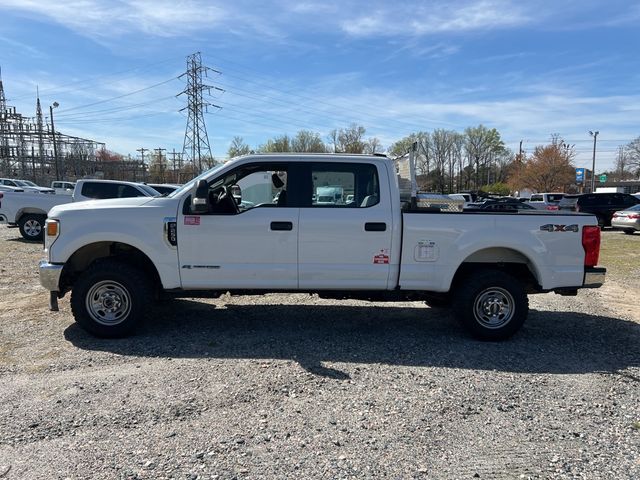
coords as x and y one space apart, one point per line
88 254
505 259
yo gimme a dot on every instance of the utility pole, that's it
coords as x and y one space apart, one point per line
142 150
176 172
160 163
520 152
593 165
196 140
53 137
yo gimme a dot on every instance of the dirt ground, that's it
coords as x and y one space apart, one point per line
292 386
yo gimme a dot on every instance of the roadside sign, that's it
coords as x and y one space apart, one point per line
579 175
603 178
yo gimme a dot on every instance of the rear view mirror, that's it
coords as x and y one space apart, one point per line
200 199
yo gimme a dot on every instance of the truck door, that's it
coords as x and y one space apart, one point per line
345 243
249 239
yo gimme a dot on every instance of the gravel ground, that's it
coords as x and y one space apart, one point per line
291 386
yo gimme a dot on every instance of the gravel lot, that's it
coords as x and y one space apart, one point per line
291 386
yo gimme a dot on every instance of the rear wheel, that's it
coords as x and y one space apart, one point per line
110 299
629 231
32 226
492 305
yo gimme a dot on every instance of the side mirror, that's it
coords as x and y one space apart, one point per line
200 199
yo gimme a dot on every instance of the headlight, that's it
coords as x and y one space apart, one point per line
51 232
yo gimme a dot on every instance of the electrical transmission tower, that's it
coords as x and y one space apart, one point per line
196 142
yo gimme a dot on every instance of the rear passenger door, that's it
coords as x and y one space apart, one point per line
344 242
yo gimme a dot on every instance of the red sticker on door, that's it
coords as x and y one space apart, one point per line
382 257
191 220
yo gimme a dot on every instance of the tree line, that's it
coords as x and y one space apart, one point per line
448 161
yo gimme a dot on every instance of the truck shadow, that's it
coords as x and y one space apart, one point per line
550 342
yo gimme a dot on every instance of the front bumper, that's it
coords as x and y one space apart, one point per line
50 275
594 277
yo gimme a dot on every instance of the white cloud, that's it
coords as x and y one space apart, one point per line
411 20
97 19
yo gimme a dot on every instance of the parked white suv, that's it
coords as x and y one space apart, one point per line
63 188
545 201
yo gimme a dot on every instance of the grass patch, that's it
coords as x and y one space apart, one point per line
620 254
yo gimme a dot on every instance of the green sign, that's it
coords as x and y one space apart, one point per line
603 178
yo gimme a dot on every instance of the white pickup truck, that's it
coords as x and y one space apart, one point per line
116 256
29 210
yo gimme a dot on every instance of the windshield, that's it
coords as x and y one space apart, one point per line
22 183
189 185
27 182
149 190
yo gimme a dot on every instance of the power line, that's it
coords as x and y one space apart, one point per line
121 96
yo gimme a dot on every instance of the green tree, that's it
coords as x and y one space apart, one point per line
279 144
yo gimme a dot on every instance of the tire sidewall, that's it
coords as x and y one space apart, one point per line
131 279
473 287
32 217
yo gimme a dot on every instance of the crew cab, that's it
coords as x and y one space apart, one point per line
117 256
29 210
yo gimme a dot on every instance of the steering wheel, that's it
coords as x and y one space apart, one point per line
226 200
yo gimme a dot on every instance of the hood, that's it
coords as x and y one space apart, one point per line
112 203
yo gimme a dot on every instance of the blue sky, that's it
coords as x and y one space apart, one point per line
529 69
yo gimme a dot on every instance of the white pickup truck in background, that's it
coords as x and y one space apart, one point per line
29 210
117 256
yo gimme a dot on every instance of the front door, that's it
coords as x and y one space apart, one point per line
248 240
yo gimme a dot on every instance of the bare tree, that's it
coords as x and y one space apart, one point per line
633 155
373 146
350 140
309 142
238 148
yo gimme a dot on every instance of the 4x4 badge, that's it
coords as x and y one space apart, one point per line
559 228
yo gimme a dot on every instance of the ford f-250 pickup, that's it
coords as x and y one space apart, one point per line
223 232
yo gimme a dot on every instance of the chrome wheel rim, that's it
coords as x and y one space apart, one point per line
494 307
108 303
32 228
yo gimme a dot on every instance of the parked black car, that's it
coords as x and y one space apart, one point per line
602 205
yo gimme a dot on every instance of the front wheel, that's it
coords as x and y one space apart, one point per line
492 305
629 231
32 226
110 299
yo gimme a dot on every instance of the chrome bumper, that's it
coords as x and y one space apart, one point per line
594 277
50 275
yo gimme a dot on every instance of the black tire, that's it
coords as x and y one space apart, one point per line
111 299
601 222
492 305
31 226
629 231
438 300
